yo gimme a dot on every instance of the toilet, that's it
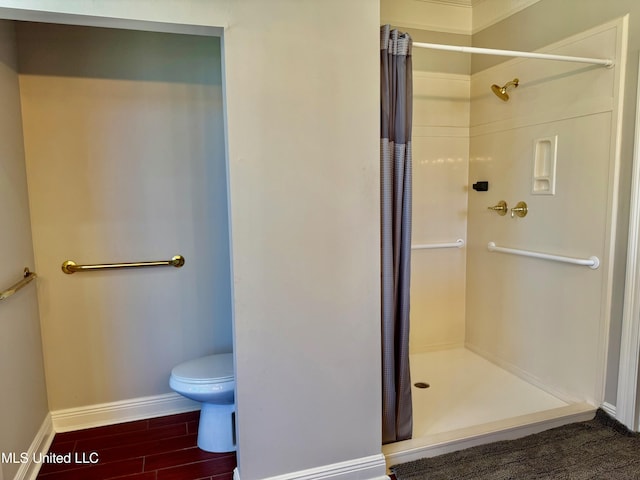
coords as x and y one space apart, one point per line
210 380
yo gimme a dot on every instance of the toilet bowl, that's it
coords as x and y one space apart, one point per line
210 380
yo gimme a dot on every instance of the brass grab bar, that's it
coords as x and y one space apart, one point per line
70 267
28 276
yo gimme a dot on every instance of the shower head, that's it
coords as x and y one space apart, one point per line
501 92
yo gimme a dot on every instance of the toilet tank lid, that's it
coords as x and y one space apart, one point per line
212 368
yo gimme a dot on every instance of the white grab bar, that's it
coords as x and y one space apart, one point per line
457 244
591 262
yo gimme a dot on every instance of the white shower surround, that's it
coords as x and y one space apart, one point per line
583 107
506 320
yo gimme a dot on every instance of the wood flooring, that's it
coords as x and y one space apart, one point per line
162 448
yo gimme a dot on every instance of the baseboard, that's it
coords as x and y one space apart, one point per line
122 411
610 409
39 447
365 468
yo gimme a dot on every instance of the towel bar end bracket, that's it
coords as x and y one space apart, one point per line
66 267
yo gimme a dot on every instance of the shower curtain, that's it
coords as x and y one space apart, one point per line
396 95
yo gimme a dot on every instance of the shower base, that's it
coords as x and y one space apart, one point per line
470 401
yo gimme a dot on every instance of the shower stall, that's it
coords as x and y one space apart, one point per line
515 186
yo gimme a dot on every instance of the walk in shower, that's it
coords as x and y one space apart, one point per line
512 262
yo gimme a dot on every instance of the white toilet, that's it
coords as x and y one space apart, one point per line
210 380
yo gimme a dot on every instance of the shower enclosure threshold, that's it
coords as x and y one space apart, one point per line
506 429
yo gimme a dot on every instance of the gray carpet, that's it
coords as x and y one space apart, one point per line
598 449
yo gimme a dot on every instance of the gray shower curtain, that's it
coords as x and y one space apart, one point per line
396 94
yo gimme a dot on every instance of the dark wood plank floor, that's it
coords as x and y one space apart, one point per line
161 448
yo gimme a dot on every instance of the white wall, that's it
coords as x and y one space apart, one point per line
23 402
302 82
440 178
545 320
125 160
488 12
427 15
303 147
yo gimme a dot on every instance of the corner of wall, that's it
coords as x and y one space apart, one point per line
38 448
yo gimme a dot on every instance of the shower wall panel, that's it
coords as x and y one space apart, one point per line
543 320
125 161
440 162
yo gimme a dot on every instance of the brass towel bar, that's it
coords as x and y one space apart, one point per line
71 267
28 276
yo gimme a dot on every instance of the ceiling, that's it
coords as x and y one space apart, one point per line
464 17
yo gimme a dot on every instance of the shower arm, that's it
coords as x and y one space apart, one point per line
512 83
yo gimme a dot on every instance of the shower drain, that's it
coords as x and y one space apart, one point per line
421 385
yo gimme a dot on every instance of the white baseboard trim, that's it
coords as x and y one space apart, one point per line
365 468
122 411
610 409
39 447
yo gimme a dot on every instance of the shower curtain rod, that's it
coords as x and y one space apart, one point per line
513 53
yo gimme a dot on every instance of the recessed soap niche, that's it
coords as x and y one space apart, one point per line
544 166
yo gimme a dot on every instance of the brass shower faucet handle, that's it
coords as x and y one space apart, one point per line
500 208
520 210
